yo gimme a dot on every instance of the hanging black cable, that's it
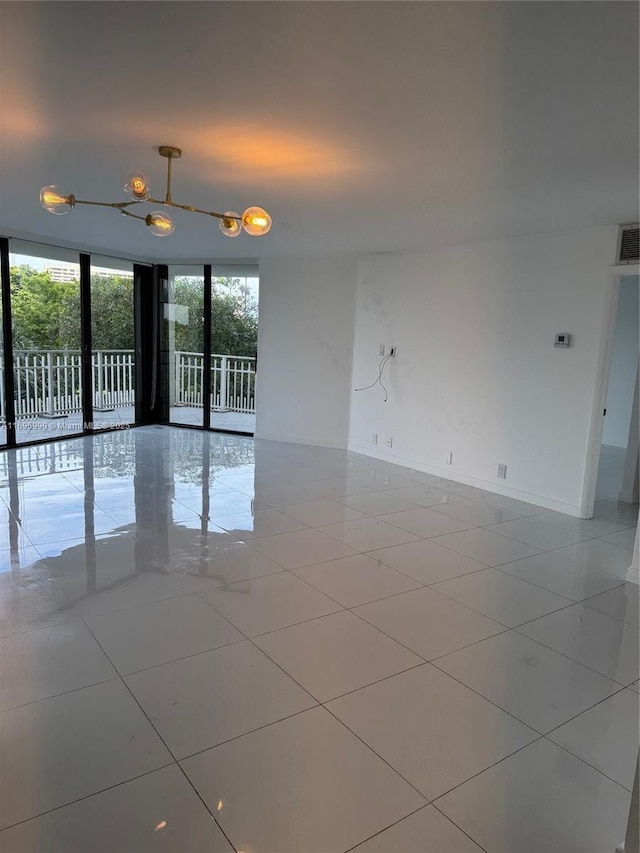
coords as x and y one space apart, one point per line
378 380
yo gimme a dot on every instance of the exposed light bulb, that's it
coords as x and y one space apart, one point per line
55 200
160 225
231 226
256 221
137 187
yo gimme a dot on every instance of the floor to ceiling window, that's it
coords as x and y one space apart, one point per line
45 312
3 404
183 340
234 344
97 342
210 332
113 342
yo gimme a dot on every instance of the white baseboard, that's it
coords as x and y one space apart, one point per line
467 480
445 473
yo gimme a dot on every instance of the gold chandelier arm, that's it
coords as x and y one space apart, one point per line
134 215
192 209
120 205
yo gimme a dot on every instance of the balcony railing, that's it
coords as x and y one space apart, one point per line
232 382
48 383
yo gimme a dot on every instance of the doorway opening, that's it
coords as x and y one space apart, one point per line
617 481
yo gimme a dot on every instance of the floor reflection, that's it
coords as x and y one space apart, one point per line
97 513
173 595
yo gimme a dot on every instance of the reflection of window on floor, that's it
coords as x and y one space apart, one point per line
180 476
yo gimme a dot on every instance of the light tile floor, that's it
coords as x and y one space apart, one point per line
214 644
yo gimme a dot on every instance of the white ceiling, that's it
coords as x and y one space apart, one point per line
361 126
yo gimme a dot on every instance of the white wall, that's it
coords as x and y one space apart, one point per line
624 364
305 343
476 372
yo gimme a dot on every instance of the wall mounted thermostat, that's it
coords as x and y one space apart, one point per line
563 339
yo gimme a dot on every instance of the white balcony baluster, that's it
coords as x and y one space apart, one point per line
48 383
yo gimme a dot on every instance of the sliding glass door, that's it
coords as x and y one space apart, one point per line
209 342
90 342
71 342
234 344
183 343
45 313
3 402
113 365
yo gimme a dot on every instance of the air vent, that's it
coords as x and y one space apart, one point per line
628 244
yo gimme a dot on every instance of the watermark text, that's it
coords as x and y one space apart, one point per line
45 426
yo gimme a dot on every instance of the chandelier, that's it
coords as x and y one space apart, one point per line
254 220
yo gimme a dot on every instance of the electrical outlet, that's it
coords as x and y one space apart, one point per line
502 472
392 351
448 459
381 349
390 441
374 438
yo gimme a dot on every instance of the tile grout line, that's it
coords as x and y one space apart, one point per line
510 713
527 637
493 618
584 761
86 796
575 717
251 731
63 693
501 568
183 658
392 675
424 660
433 801
449 818
391 825
323 705
484 770
421 585
375 752
354 849
565 655
482 696
162 740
